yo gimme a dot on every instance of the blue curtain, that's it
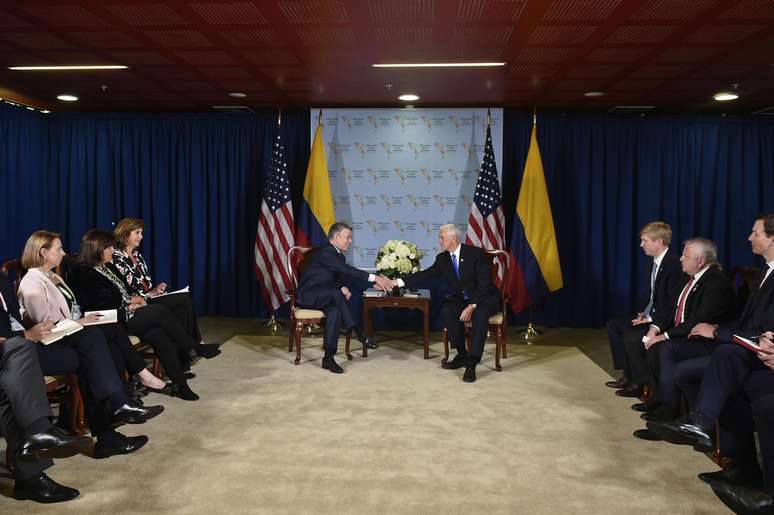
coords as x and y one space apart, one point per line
609 175
197 179
194 179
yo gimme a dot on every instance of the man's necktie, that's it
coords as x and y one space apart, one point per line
649 307
681 304
455 265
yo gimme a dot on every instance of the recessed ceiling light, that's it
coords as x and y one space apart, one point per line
236 94
593 94
67 98
436 65
74 67
45 111
725 96
408 97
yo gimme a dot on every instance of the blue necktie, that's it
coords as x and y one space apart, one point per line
455 265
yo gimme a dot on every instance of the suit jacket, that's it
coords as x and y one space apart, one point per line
710 301
758 313
326 269
669 282
6 289
475 276
41 299
94 291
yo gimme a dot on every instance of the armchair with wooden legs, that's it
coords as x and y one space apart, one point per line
498 322
300 318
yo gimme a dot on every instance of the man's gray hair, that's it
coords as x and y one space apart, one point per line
707 248
451 228
336 228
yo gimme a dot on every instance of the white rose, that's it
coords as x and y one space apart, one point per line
415 270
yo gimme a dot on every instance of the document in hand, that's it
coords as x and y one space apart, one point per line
745 342
62 328
181 290
106 316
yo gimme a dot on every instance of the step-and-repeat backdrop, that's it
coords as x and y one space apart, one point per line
402 173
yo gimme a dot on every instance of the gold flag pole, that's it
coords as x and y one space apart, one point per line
311 328
530 332
272 323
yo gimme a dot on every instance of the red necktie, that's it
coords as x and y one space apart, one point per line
681 304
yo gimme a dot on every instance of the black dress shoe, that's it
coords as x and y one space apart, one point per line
660 414
745 500
470 373
52 443
330 364
630 390
127 445
43 489
207 350
733 476
646 407
646 434
619 383
691 429
459 361
133 413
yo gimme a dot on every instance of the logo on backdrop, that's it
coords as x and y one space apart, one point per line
402 174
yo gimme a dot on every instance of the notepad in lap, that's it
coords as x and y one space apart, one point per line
62 328
744 342
181 290
106 316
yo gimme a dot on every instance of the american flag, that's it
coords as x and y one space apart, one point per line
275 232
486 224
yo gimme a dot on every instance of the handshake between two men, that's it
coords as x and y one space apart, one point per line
474 299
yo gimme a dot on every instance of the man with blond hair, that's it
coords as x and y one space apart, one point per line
664 276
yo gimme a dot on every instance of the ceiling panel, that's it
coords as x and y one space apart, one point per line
186 54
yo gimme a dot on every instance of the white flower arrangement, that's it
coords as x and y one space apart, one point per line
398 257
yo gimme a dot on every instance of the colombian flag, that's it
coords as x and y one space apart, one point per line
316 214
534 253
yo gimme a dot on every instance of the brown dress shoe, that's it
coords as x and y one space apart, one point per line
619 383
630 390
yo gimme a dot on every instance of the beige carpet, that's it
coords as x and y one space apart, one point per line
394 434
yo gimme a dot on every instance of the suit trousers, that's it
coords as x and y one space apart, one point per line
617 329
171 343
181 305
763 411
86 354
643 364
450 312
125 357
23 401
673 352
330 301
733 442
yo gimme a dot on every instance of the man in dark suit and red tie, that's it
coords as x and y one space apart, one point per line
475 296
321 287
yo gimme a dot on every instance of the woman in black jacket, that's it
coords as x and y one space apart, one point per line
99 285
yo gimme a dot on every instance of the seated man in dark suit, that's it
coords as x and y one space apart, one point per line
712 384
84 353
321 287
707 297
24 423
475 296
665 278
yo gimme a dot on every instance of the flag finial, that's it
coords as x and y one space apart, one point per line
488 117
279 116
319 119
534 115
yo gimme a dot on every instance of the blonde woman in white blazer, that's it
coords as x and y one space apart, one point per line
44 295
